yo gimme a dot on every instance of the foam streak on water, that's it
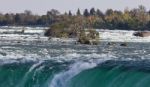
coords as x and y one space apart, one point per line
61 79
25 78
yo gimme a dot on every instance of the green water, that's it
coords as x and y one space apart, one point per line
27 74
42 74
115 77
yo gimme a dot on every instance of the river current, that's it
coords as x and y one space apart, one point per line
53 64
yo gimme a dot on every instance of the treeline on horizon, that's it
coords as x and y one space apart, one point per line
134 19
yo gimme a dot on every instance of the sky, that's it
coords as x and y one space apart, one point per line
42 6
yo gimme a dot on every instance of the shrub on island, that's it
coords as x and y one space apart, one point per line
61 30
57 30
90 37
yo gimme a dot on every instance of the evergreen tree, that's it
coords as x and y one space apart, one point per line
92 11
70 14
86 13
78 12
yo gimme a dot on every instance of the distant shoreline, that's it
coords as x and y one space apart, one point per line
129 19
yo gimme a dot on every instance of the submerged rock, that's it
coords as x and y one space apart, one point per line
3 54
18 42
111 43
123 44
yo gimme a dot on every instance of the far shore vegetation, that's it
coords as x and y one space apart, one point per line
129 19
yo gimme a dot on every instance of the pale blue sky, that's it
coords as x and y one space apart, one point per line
41 6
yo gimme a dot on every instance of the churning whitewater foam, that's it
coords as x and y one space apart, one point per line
10 54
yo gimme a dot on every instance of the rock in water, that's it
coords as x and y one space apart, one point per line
123 44
142 34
